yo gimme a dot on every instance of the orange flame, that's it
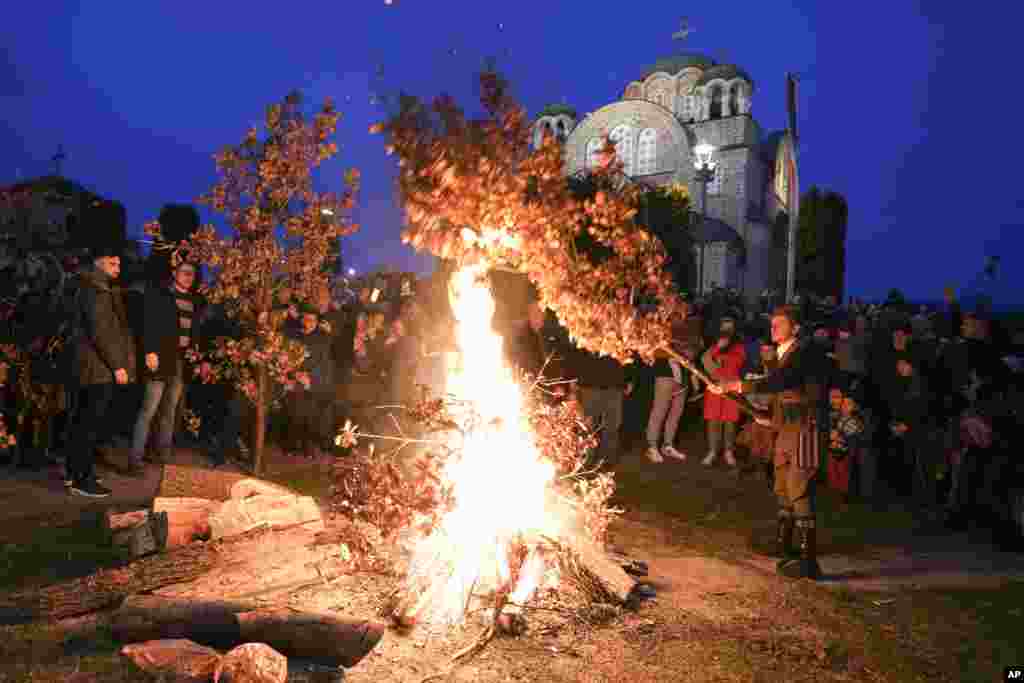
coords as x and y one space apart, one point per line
501 484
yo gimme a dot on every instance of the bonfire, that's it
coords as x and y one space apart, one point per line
512 508
501 484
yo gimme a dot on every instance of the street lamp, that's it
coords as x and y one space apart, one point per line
351 272
704 163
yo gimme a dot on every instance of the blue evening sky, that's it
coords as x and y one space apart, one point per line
908 108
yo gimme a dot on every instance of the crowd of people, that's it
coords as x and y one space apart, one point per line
916 405
913 406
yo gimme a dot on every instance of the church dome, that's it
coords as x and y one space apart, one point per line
725 72
558 110
676 63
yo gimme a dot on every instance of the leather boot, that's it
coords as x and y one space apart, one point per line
806 566
784 548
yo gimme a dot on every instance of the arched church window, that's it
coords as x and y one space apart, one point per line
593 150
560 132
686 108
715 110
734 99
647 152
622 137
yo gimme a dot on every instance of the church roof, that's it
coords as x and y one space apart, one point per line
54 183
676 63
710 230
724 71
557 110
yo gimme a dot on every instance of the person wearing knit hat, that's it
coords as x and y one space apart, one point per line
104 363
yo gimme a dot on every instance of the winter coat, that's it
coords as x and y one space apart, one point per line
852 353
723 366
160 332
591 370
105 343
909 402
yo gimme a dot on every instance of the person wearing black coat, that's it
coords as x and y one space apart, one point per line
169 328
311 412
104 362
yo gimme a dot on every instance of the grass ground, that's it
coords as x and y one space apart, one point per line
687 521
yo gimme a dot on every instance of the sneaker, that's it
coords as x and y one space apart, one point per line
69 480
653 455
730 459
89 488
671 452
709 460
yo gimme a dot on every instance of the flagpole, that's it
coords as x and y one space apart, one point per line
793 200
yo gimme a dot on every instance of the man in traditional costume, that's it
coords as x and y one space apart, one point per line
795 386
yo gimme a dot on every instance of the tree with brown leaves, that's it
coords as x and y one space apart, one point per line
476 189
279 233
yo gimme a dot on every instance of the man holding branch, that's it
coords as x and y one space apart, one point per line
795 389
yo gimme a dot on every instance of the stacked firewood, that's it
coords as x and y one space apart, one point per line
200 580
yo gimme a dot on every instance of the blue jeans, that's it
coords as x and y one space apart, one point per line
161 396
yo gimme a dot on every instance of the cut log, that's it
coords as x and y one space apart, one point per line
595 574
274 564
172 523
146 537
323 638
188 519
247 488
139 532
151 617
252 663
182 660
308 635
182 481
241 514
119 521
108 587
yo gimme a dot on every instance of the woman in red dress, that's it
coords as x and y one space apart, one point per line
724 362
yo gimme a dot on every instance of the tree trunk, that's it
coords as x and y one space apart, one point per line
108 587
307 635
260 428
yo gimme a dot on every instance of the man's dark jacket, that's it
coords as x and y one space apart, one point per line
105 343
160 331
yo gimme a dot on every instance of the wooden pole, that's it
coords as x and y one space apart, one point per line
739 399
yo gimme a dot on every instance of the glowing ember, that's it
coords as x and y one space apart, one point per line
500 482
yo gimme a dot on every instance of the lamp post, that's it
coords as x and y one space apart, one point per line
704 164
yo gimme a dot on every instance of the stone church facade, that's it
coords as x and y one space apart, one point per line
676 104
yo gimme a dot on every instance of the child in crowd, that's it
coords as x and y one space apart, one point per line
724 361
846 431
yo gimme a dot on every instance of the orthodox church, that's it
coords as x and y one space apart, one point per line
678 103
